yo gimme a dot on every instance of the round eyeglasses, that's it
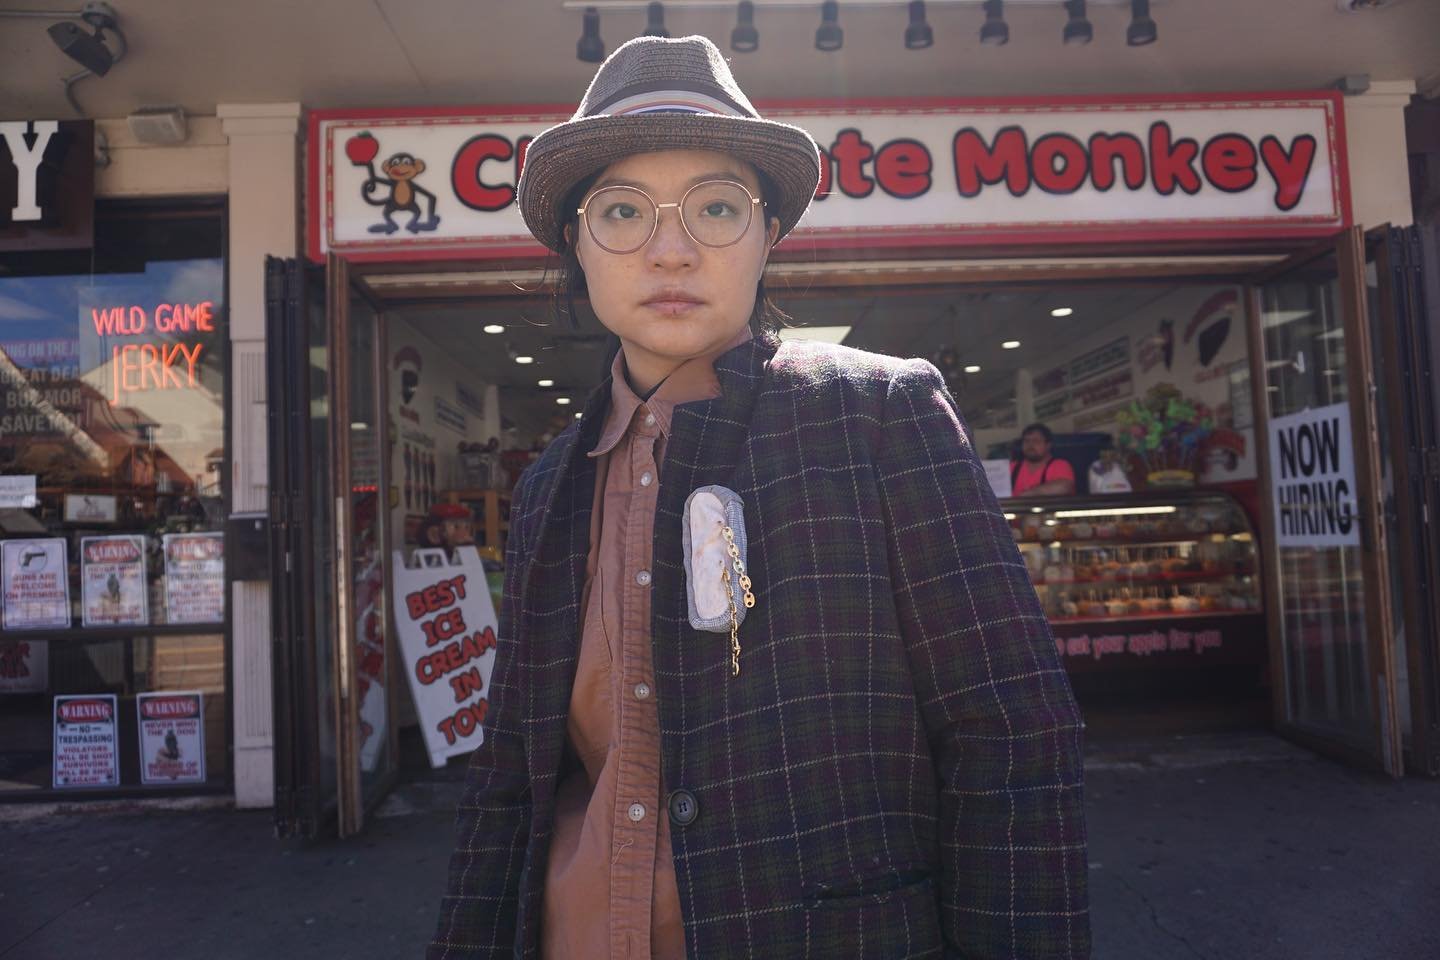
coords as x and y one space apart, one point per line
714 213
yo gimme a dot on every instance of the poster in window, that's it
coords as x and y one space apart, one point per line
172 737
24 666
194 577
86 742
37 585
112 581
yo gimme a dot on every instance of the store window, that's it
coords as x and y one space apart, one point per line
113 455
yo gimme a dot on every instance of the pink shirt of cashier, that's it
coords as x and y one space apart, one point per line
1038 473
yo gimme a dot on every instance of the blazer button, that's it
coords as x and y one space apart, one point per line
683 808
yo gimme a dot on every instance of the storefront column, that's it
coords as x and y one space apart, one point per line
1375 137
264 205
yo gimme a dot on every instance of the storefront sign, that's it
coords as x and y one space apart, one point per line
446 625
86 742
17 492
416 184
24 666
37 585
113 581
47 184
91 508
194 577
1312 475
172 737
148 347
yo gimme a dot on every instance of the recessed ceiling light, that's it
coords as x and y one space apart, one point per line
493 328
1062 311
563 401
524 359
1010 344
973 368
578 414
544 383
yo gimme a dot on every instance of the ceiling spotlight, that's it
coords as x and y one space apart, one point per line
1078 31
973 368
745 38
493 328
591 49
524 360
545 383
829 36
1062 311
1010 345
995 32
655 21
1142 31
918 34
563 401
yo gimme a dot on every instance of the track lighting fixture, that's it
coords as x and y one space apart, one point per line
745 38
1142 31
1078 31
918 34
655 21
591 49
995 32
89 50
829 36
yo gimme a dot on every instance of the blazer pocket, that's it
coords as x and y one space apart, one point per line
708 511
877 889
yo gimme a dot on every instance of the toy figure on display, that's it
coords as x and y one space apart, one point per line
447 526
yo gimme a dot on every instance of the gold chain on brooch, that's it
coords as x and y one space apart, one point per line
739 566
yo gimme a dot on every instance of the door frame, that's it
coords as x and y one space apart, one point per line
1384 754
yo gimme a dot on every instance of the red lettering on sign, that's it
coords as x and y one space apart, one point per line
1229 162
1172 162
1059 163
978 165
1105 149
1290 170
851 153
465 173
464 721
902 168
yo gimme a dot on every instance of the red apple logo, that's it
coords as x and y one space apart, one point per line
361 149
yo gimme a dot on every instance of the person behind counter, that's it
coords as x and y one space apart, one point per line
1038 473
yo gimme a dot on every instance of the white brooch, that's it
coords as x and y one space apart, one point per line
717 582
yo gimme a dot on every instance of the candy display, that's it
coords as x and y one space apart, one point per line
1194 556
1166 431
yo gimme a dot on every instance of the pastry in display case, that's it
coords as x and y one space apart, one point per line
1142 574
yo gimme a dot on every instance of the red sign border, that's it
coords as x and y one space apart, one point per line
318 208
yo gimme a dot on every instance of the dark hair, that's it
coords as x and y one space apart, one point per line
765 317
1041 429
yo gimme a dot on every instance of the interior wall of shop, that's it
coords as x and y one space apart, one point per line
253 152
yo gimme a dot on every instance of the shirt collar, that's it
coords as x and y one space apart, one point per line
692 381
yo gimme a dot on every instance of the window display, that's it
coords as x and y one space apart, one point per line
1156 577
113 454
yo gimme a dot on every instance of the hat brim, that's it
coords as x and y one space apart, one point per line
565 154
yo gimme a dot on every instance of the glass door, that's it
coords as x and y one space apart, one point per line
1326 557
357 421
334 734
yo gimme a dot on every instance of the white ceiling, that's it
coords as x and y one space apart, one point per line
332 53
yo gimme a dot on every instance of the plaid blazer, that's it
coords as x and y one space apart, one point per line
896 772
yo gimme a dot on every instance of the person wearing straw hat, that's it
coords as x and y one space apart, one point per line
771 679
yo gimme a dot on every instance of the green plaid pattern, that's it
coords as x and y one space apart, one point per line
896 772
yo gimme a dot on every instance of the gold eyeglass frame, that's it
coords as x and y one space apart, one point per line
680 206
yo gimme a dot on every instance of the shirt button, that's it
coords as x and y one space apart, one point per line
649 419
646 478
642 691
637 812
643 578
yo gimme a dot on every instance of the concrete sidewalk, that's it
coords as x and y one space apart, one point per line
1230 846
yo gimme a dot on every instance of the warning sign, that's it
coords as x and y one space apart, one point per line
172 737
86 742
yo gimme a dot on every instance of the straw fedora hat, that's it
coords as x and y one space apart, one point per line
655 93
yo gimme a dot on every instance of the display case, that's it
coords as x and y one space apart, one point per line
1144 578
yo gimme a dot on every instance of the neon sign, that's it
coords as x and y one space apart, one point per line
137 367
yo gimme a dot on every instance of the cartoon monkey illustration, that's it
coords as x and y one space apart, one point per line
396 190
